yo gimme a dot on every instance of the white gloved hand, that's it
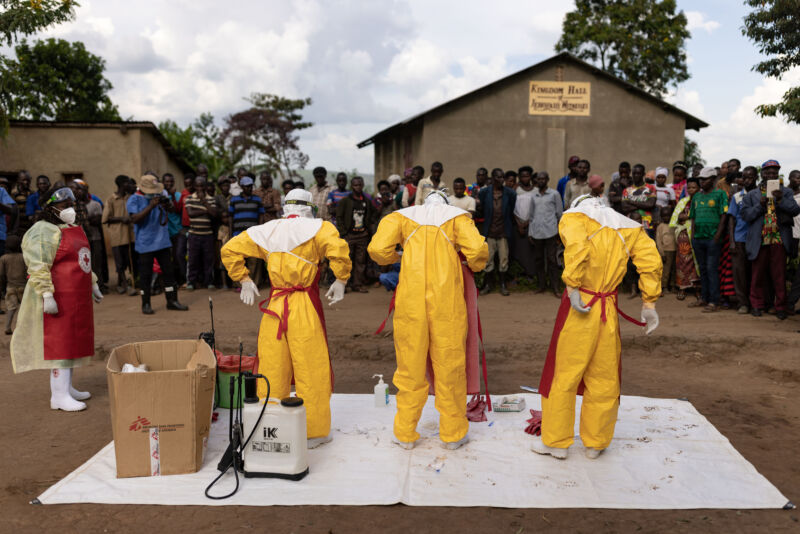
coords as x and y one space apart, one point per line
576 302
96 293
336 292
249 292
49 305
650 316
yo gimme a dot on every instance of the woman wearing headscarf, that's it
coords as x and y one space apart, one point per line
686 274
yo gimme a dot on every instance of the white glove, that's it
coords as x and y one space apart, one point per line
335 293
49 304
650 316
96 293
576 302
249 292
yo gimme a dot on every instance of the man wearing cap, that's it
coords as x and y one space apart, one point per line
572 165
708 211
769 238
151 240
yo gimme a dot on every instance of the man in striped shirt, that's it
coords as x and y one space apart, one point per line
200 208
244 211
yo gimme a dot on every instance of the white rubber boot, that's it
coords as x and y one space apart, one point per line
453 445
539 447
407 445
74 393
313 443
592 453
60 398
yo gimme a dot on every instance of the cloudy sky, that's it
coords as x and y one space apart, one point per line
369 64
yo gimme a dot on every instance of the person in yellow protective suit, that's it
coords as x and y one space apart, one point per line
292 340
430 312
585 348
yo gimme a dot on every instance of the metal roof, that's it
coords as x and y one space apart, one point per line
692 122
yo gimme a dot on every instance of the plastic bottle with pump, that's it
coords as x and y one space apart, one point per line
381 392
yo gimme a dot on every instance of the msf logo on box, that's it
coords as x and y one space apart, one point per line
270 432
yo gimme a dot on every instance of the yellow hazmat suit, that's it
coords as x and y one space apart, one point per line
296 343
597 245
430 313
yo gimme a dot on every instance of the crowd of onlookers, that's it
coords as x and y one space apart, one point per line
727 237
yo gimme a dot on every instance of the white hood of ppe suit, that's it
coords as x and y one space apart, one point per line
597 210
297 226
434 212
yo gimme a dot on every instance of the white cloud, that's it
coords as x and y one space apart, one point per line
697 21
688 101
366 65
753 139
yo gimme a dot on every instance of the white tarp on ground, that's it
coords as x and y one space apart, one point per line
665 455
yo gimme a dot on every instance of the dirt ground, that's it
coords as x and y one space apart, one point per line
740 372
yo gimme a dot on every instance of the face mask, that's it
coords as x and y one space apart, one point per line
67 215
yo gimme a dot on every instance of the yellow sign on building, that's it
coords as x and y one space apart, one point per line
560 98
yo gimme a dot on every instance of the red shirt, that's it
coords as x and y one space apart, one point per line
182 208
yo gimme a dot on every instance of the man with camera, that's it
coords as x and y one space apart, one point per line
148 212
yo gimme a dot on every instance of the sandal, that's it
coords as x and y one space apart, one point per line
711 308
681 295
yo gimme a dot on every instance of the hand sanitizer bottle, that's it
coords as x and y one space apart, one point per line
381 392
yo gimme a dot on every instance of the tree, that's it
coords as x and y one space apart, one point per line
267 131
691 153
200 142
25 17
774 25
641 41
58 80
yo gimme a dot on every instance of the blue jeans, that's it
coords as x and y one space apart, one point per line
707 253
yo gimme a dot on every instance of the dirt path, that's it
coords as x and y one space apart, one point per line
740 372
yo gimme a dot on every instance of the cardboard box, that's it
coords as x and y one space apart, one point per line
161 418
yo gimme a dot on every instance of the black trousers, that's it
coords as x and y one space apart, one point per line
545 252
125 258
164 257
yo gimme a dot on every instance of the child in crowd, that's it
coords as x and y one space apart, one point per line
13 277
665 241
632 276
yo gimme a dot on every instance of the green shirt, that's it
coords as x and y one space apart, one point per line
706 211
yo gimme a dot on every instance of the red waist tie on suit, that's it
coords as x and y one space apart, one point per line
563 312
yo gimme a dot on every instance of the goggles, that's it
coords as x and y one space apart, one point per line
296 202
60 195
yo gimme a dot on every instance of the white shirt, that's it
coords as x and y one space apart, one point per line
466 203
522 205
796 226
664 195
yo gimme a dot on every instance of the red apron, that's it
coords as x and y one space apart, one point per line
69 334
549 370
283 320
